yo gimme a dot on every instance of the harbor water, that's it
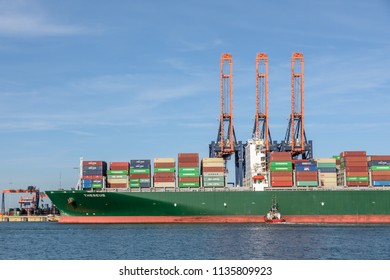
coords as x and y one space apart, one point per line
53 241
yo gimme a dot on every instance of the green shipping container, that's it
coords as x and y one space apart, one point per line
214 179
161 169
117 172
281 164
214 184
281 168
380 167
189 174
139 170
135 185
188 169
189 184
357 179
132 180
307 183
326 165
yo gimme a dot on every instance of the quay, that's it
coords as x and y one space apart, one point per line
39 218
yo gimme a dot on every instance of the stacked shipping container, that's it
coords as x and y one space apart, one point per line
118 175
380 170
306 174
94 173
164 172
353 169
188 165
140 173
213 172
327 171
280 166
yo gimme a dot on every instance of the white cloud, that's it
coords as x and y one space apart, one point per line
29 25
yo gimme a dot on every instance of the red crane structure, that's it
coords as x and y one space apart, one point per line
295 139
227 144
32 202
261 130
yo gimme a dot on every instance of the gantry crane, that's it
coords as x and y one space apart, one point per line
33 202
227 144
261 130
295 140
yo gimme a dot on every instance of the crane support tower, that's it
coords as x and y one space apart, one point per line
226 143
295 139
261 129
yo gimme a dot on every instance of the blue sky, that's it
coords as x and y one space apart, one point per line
125 80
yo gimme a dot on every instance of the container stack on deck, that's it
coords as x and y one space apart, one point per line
280 167
213 172
353 169
140 173
118 175
94 173
380 170
306 174
164 172
327 172
188 165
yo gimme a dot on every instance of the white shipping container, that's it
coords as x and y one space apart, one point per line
164 184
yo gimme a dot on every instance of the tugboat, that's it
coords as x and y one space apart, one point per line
274 216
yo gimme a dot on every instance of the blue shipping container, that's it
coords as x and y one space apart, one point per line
140 163
327 169
380 183
306 168
87 184
378 162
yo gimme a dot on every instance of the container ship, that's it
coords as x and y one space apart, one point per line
351 187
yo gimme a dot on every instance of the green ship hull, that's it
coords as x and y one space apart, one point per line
305 206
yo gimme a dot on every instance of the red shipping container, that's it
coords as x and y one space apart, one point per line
306 178
164 164
213 169
357 184
281 173
140 176
117 186
188 179
164 175
380 172
163 179
349 158
386 158
355 163
187 155
281 179
280 156
353 153
381 177
359 174
356 168
281 184
306 173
